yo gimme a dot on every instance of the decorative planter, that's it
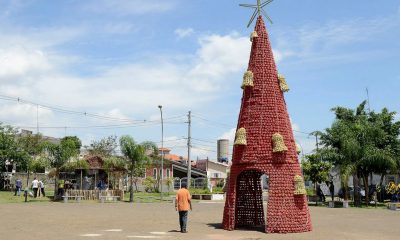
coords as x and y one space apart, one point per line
331 204
213 197
345 204
394 206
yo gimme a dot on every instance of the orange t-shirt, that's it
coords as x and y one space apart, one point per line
182 199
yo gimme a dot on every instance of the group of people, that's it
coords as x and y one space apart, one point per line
37 187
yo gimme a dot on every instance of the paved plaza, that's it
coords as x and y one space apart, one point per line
159 221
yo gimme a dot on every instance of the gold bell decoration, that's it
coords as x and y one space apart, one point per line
278 143
241 137
299 188
253 35
248 79
282 83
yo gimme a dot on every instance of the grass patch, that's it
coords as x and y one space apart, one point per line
8 197
144 197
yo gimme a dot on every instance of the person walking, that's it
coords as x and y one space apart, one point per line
41 186
18 187
35 187
182 204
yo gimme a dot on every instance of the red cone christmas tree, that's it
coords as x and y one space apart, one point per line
265 145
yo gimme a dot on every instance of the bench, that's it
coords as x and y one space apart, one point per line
394 206
77 198
103 199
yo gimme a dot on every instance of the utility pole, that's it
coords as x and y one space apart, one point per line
316 141
369 105
162 153
37 118
189 145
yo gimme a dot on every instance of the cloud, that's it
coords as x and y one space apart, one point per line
129 7
19 113
230 135
317 42
184 32
37 71
17 60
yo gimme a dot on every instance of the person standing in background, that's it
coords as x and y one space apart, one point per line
41 186
18 187
35 187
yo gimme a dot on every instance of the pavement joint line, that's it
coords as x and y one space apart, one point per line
145 237
159 233
113 230
91 235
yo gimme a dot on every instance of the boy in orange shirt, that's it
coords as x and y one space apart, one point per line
182 205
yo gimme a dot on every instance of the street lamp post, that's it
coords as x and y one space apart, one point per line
162 153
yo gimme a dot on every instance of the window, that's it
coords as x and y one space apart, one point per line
168 173
155 173
215 175
161 173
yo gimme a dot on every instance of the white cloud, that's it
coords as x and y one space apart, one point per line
320 42
218 57
36 71
184 32
230 135
129 7
17 60
19 113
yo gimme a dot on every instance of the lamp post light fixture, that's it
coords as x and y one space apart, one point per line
162 153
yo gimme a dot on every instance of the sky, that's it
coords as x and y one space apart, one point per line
103 67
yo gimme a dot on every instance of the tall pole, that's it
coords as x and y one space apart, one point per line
369 105
37 119
162 154
189 145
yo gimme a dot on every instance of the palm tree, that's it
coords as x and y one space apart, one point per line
114 164
137 158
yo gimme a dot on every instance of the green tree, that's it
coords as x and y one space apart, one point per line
362 143
137 157
315 169
59 154
10 151
76 140
104 147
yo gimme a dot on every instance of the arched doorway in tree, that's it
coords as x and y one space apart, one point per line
251 199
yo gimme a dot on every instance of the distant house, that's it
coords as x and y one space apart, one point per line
216 171
169 156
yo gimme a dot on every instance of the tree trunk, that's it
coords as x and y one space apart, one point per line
81 180
356 186
131 189
382 178
366 186
345 187
55 186
27 187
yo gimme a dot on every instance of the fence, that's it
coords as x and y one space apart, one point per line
95 194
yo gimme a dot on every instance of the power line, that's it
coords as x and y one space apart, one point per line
72 112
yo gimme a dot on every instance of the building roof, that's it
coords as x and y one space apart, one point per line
95 162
